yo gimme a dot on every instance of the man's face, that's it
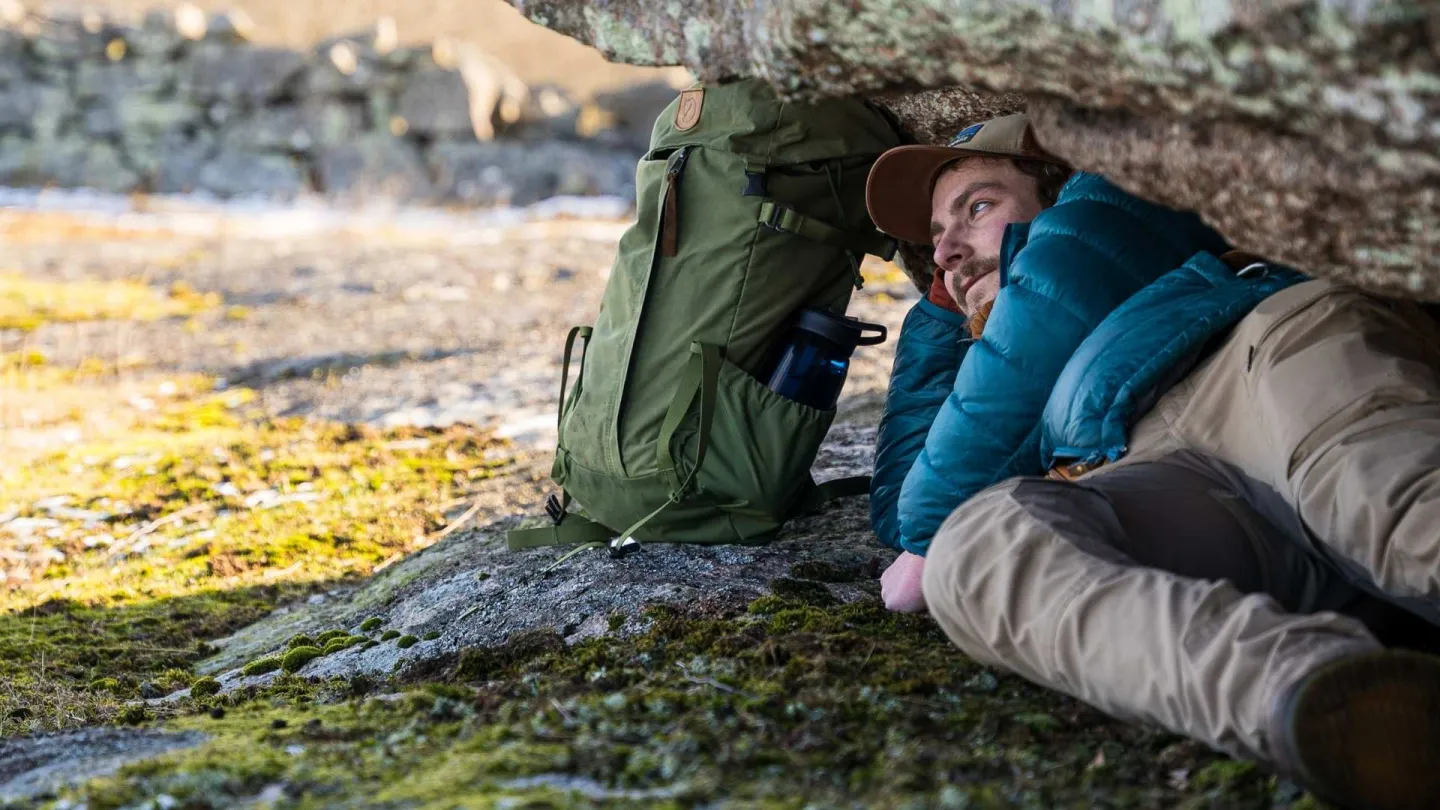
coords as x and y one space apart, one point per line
972 203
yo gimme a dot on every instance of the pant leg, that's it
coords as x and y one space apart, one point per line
1168 510
1029 576
1332 398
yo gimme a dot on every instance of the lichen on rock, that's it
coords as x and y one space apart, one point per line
1306 132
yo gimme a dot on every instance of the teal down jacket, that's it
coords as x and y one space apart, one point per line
962 415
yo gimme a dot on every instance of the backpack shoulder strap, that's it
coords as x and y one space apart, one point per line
788 220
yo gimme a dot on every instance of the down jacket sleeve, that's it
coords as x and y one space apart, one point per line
1080 260
932 342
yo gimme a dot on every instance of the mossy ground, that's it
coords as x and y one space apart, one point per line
786 705
192 524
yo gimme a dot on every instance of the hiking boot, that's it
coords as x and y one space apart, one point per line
1364 731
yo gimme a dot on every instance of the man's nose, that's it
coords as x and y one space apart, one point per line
951 250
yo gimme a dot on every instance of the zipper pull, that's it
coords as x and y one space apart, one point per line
670 210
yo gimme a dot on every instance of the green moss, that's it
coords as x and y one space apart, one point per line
482 663
804 591
1226 774
389 634
852 706
371 624
328 636
406 642
204 687
132 716
430 636
766 605
299 657
616 621
105 685
260 666
301 640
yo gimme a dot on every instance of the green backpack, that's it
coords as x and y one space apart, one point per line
749 210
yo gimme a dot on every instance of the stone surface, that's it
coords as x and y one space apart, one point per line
473 592
40 109
91 164
1308 132
31 767
521 173
630 113
115 81
248 174
377 165
178 166
249 74
436 103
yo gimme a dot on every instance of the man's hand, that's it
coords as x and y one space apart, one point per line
900 585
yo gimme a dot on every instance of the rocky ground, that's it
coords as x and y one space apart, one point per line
251 533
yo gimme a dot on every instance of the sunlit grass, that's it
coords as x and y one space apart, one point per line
27 303
202 517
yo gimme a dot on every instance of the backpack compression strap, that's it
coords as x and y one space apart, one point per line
786 219
701 377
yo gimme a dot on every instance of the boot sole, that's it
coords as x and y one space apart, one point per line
1366 732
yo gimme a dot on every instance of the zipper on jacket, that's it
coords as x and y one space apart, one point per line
670 208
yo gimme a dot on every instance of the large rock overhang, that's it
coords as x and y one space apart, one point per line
1307 132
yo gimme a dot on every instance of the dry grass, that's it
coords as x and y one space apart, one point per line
27 303
536 54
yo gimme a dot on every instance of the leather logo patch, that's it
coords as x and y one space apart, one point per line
687 112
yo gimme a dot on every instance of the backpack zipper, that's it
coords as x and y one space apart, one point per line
670 208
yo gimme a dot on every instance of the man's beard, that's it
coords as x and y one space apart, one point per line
978 266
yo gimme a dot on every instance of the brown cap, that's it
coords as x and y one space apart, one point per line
898 189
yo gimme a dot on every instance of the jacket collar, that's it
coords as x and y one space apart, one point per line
1015 237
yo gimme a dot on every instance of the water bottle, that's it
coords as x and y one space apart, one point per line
815 358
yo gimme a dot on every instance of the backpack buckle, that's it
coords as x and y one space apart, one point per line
774 217
554 508
622 547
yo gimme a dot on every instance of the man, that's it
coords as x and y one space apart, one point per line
1187 570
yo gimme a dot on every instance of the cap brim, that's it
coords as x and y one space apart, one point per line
897 191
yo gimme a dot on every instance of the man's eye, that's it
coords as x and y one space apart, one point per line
977 207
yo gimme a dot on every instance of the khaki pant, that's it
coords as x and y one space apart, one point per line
1291 475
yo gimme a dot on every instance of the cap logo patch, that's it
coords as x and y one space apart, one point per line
967 134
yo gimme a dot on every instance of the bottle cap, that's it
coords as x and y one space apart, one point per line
846 333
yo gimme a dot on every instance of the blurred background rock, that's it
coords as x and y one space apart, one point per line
441 101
